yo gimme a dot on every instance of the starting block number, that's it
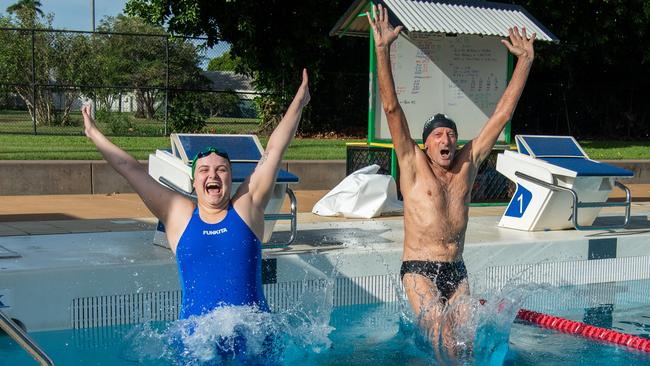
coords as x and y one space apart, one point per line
519 202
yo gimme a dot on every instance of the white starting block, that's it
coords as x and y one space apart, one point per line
556 181
173 169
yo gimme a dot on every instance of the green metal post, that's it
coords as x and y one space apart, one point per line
371 90
393 163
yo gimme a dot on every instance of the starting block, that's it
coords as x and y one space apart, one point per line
172 168
558 186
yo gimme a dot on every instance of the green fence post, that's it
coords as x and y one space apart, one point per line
371 89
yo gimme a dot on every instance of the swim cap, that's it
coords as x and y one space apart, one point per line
439 120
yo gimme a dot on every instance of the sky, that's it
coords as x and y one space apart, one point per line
74 14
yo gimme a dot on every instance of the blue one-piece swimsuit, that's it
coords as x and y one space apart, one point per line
219 264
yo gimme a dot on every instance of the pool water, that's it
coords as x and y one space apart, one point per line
369 334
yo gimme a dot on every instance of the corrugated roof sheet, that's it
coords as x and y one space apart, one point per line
229 80
460 17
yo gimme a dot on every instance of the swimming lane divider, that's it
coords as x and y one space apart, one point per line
584 330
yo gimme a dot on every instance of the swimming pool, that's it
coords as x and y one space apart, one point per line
372 334
90 289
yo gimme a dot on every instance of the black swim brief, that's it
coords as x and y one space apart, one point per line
446 275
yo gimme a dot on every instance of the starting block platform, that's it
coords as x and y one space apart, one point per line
558 186
172 168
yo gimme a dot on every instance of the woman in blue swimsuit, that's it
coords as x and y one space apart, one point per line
216 241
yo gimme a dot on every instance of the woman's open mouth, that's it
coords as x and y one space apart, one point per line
213 188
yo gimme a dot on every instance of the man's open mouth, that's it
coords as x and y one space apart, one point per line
444 153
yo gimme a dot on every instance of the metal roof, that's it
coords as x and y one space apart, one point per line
458 17
229 80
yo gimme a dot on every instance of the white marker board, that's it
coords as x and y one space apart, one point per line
461 76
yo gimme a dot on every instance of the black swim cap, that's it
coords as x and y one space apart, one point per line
439 120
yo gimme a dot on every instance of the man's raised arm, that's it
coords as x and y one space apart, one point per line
522 47
384 35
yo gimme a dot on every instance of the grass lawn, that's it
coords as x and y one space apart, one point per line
25 147
47 147
616 150
17 143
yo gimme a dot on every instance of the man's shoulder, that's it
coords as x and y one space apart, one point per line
413 162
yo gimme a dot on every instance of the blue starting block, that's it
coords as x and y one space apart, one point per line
558 186
172 168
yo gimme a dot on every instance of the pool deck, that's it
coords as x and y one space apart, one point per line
60 214
22 217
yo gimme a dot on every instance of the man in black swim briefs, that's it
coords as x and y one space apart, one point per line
447 276
436 182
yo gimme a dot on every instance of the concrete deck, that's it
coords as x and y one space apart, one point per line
57 214
133 246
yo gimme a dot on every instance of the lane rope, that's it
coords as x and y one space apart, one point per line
584 330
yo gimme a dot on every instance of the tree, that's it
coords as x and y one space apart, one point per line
72 57
65 59
59 60
28 10
225 62
140 62
223 104
594 82
274 44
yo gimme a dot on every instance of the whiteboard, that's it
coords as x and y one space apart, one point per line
461 76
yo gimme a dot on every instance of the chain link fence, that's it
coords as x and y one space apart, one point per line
139 84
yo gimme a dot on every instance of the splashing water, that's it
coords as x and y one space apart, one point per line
472 330
237 335
477 327
242 335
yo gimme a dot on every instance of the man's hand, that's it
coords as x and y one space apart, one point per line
519 44
383 33
303 95
89 123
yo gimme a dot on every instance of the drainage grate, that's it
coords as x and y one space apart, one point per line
112 310
346 291
589 296
570 272
101 311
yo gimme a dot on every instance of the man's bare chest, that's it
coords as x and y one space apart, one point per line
445 191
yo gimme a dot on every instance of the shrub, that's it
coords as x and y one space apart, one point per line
185 114
118 123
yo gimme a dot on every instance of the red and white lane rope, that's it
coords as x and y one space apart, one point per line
584 330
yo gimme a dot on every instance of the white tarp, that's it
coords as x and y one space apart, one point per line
362 194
